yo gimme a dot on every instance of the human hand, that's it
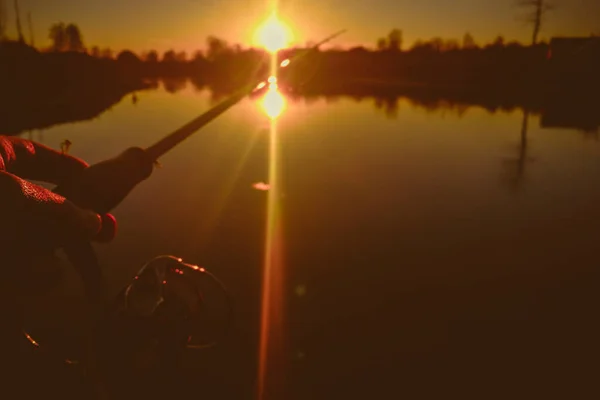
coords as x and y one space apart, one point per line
102 186
36 221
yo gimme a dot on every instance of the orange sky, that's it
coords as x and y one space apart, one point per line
184 24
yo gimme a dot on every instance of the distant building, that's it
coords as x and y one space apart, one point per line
573 65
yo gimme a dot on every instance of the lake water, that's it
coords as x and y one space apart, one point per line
435 252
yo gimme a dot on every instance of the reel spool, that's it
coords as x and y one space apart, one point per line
168 307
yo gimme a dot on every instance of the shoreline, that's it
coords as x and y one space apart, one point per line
41 90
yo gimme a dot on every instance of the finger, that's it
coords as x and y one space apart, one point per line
108 229
35 161
34 215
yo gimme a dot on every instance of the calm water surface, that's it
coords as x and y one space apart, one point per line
427 253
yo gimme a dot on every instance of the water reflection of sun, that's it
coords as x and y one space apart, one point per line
273 35
273 102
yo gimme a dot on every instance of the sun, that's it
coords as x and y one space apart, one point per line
273 34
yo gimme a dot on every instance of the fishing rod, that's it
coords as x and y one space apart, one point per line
102 186
173 139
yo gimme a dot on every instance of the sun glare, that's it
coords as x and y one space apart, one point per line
273 34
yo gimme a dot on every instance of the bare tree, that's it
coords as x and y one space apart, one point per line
30 24
3 20
19 28
536 11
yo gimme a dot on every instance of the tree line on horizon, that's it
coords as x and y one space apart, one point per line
436 61
68 38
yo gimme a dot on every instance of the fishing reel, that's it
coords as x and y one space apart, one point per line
168 308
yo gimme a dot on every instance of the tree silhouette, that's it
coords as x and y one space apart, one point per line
95 52
536 11
151 56
3 20
169 56
437 44
66 37
418 44
468 41
198 56
450 44
107 53
74 38
395 40
128 57
216 48
18 17
58 36
392 42
498 42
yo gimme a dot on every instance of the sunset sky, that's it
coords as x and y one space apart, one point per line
184 24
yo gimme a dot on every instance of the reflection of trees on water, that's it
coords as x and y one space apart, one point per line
388 105
591 134
515 167
174 84
198 83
